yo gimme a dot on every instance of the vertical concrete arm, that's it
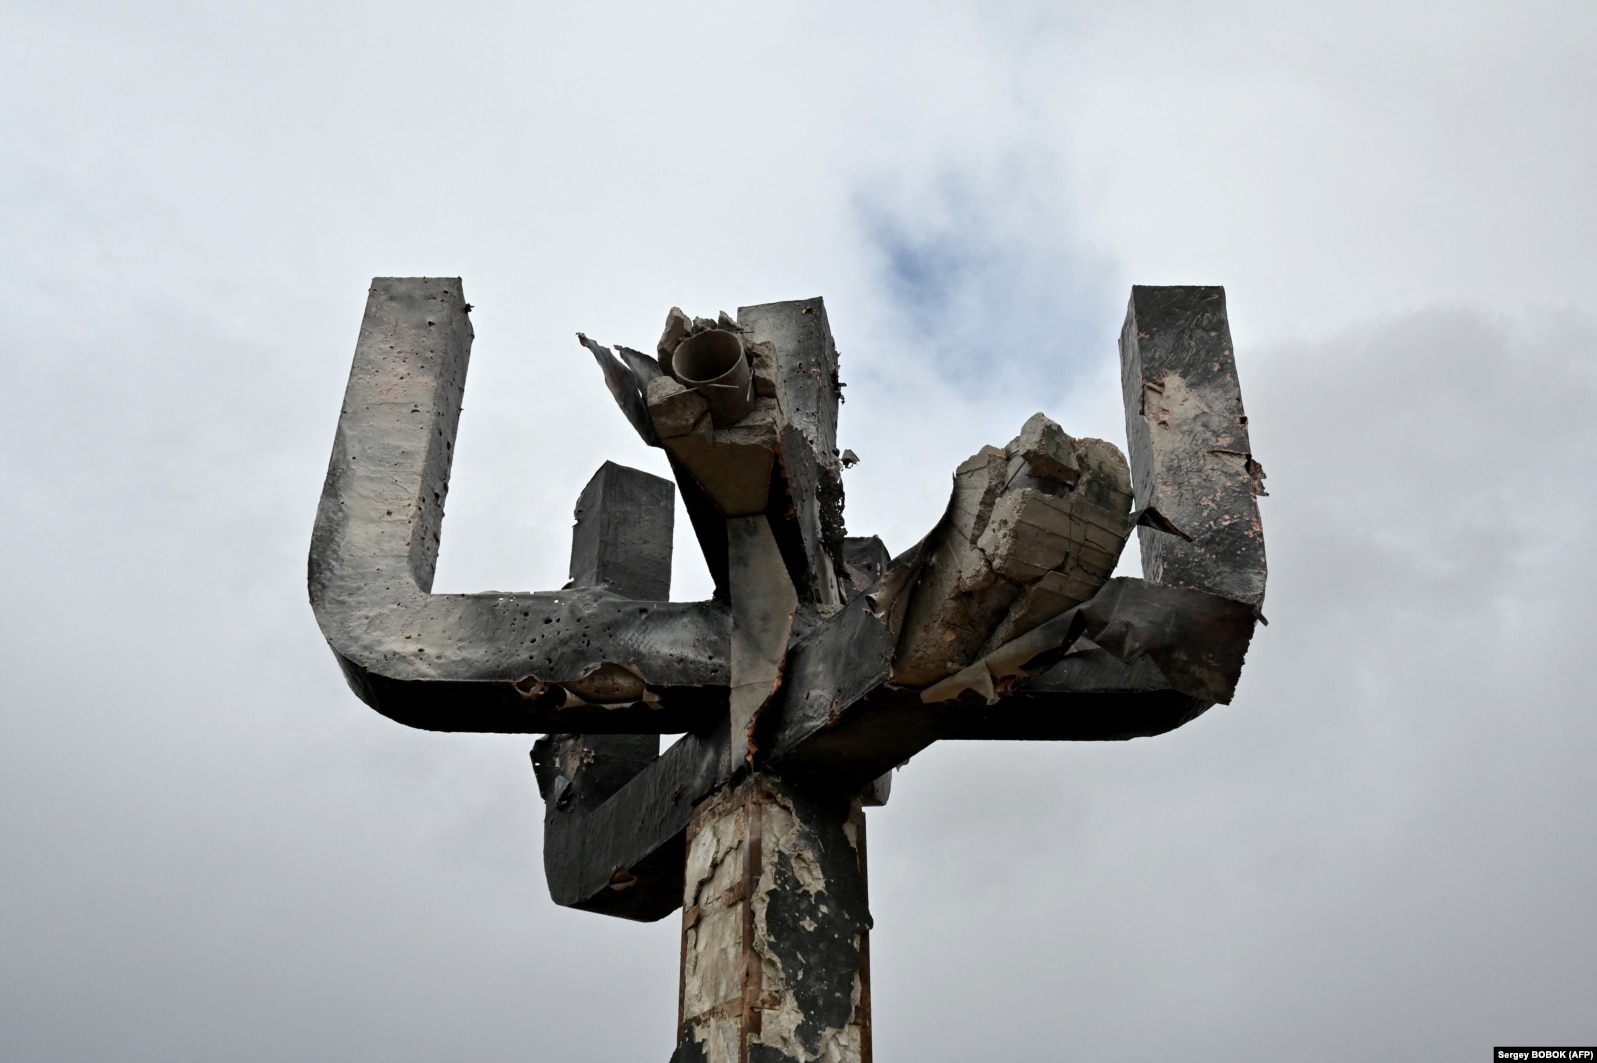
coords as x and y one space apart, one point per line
1192 467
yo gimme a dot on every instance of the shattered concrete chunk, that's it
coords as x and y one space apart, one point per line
677 327
958 598
675 409
1030 531
762 356
731 464
1046 450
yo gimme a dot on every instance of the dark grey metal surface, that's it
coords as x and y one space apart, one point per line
625 856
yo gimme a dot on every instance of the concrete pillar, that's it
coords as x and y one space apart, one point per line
775 929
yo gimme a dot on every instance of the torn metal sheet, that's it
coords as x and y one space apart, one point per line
625 388
1197 641
644 368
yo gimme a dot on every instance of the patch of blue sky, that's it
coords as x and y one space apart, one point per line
994 299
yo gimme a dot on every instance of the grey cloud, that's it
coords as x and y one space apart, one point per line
213 850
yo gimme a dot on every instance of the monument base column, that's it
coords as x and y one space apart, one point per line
775 925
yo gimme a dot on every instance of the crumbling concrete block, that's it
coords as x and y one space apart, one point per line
732 464
958 598
1030 531
1044 448
675 409
678 326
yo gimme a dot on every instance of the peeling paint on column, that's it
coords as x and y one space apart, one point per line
775 924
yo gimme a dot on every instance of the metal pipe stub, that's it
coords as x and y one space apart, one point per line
713 364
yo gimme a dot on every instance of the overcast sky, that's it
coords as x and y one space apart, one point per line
1385 848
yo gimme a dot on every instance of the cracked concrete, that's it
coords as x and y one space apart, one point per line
1030 531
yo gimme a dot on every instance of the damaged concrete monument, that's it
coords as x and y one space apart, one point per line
822 662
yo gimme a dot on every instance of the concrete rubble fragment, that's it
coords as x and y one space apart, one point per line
1030 531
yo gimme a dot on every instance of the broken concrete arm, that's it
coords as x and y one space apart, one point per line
1030 531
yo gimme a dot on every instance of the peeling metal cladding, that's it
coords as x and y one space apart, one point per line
841 661
626 385
1191 458
1167 654
450 662
1198 641
1088 695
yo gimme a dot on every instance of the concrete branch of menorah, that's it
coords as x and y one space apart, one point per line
822 661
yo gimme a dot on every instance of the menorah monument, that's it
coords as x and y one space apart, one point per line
822 661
